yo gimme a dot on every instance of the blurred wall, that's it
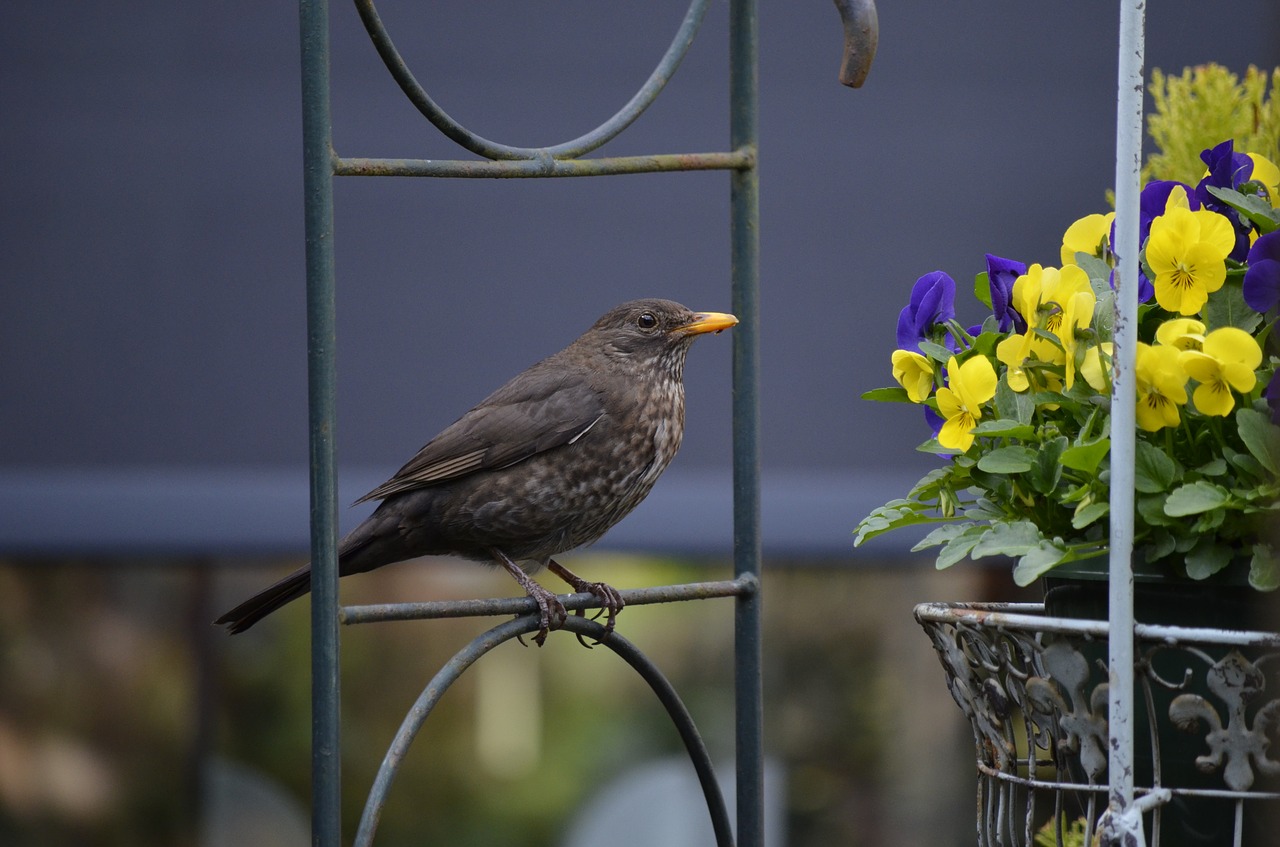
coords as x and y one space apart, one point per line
152 338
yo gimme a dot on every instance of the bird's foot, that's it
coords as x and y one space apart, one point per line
551 612
611 601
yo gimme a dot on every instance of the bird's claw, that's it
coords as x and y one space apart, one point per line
551 614
611 603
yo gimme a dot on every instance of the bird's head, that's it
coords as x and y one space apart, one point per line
645 331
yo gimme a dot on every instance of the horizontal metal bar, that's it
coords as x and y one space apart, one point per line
743 585
546 166
1009 616
1102 788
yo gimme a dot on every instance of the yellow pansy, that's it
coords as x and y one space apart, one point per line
1188 251
1265 172
1047 289
1095 369
1089 235
1077 313
1183 333
1228 360
960 403
1162 386
914 373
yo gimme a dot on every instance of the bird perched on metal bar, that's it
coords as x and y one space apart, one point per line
547 463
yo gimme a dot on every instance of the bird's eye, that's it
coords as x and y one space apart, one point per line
646 320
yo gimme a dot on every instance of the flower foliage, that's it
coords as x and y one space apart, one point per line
1024 398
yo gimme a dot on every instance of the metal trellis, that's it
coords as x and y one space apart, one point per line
321 165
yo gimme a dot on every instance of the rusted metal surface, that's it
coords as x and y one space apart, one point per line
526 605
861 37
1037 699
546 166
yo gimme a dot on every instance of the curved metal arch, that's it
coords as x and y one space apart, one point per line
566 150
481 645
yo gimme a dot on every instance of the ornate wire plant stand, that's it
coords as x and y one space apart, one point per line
1035 688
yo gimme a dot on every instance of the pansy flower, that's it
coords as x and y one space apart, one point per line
1188 251
1161 384
1228 360
1227 169
1090 235
932 302
1158 196
914 373
1183 333
1077 313
1096 369
960 402
1266 174
1272 395
1262 279
1001 274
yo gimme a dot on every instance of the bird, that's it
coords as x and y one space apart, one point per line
547 463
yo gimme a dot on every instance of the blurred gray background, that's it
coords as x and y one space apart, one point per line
152 334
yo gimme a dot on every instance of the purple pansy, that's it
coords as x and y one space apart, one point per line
1272 393
1227 169
932 302
1262 279
1154 199
1002 273
934 420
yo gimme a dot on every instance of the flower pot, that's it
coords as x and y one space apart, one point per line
1166 753
1033 686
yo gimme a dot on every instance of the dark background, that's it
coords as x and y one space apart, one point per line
152 333
153 392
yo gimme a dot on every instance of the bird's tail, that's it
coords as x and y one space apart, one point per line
267 601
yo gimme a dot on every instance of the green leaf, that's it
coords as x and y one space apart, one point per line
936 351
1009 539
1261 436
942 535
887 395
1207 558
1104 316
1011 404
1004 460
1099 273
1005 428
1150 508
982 288
892 515
960 546
1195 498
1085 457
1257 210
1153 470
1226 307
1090 513
1047 471
1216 466
1039 560
934 446
1264 568
1162 544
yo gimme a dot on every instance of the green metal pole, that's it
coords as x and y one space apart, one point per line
326 819
745 219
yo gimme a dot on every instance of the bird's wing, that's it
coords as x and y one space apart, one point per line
521 419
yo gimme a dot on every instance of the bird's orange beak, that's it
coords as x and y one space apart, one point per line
707 322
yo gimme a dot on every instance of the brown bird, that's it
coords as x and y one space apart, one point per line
548 462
